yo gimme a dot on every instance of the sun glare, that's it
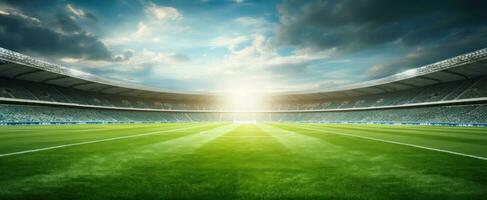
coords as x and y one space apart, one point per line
243 100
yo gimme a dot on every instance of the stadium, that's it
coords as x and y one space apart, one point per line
37 92
66 133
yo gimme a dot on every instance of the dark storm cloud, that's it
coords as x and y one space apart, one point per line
456 45
66 24
54 36
352 25
447 27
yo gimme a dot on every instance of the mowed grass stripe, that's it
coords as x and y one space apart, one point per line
100 140
40 131
336 131
348 165
245 163
35 170
100 165
446 141
474 132
43 131
242 162
425 132
31 130
48 137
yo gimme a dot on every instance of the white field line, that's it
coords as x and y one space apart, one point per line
398 143
97 141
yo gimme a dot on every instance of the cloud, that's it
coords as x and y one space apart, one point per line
142 30
356 25
162 12
157 23
251 21
62 38
256 63
66 24
77 12
13 12
140 34
255 24
228 42
80 13
4 12
139 66
297 45
422 55
169 58
419 33
127 54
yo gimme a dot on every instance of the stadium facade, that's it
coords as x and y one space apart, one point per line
452 92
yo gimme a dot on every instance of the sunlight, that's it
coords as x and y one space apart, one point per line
242 100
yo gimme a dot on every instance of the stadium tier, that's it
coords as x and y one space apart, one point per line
447 115
450 91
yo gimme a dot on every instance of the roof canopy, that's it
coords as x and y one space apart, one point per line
19 66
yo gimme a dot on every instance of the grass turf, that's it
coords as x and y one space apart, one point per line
250 161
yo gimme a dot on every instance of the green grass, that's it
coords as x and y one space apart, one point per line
248 161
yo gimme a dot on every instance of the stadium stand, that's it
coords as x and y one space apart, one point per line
450 91
455 90
458 114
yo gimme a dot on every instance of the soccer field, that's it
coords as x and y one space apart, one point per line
242 161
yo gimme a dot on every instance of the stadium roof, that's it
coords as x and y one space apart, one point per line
19 66
460 67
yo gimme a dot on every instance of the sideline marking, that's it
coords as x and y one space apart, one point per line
398 143
97 141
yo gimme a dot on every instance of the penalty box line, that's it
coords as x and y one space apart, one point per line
97 141
399 143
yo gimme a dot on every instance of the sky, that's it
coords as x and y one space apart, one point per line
222 45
